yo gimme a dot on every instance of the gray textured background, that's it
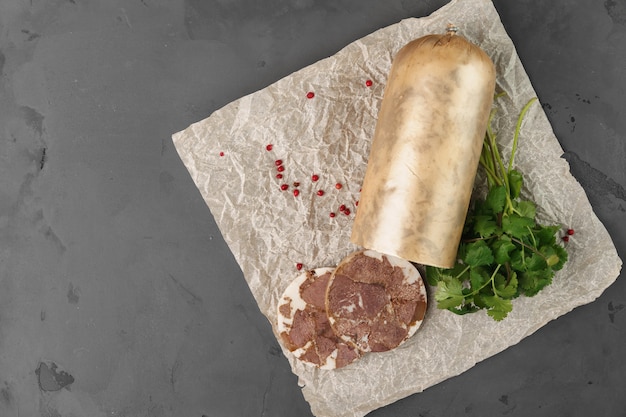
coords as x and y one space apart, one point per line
112 268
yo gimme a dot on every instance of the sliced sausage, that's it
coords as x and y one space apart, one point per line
303 323
375 302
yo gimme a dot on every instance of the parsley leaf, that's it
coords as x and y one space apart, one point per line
515 183
485 225
478 254
496 198
526 208
502 249
449 293
478 278
532 282
505 288
498 308
504 253
516 225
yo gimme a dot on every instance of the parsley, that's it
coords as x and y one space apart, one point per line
504 252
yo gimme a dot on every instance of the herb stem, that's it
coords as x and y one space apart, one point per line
476 239
462 272
509 274
518 127
500 94
485 244
532 236
492 279
533 249
488 166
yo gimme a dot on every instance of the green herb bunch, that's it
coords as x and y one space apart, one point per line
504 252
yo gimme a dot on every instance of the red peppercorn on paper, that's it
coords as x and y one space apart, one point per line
319 123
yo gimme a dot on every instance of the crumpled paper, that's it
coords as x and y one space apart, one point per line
270 231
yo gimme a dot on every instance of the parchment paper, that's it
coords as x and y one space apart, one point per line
269 230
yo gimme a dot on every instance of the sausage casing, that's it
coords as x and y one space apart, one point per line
425 150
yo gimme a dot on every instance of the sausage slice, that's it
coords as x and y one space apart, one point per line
303 323
375 302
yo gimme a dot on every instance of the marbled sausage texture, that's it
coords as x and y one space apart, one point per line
425 151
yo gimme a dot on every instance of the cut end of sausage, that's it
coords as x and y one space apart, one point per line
303 324
375 302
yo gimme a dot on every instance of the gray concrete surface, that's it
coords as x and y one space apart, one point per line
118 296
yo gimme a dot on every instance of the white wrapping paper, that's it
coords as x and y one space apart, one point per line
270 230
